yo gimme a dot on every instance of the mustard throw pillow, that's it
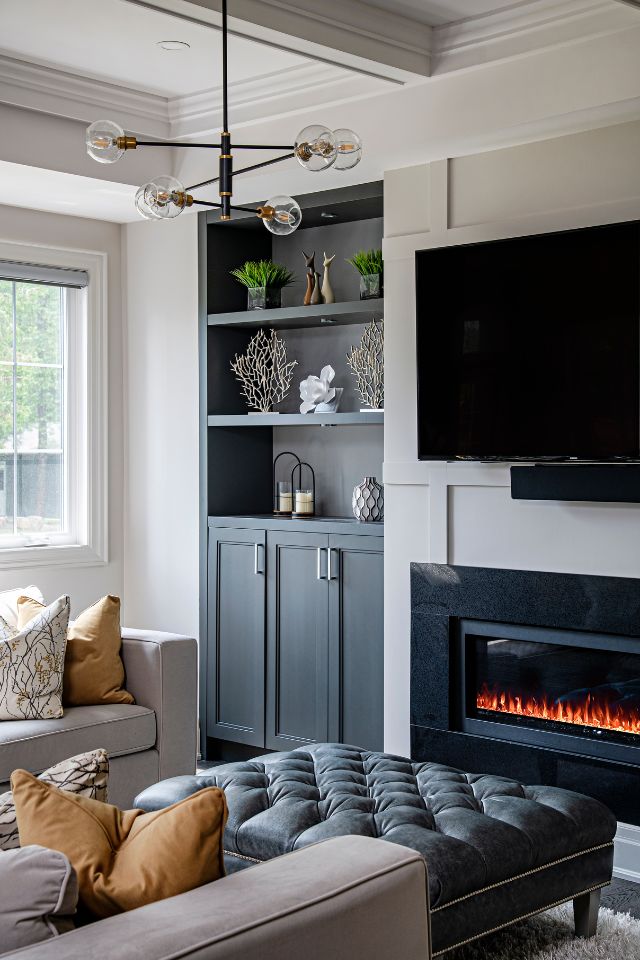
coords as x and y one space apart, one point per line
93 668
125 858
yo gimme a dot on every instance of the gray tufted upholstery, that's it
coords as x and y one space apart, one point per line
474 830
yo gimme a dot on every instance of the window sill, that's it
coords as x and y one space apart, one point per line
63 555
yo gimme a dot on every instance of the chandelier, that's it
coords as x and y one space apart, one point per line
316 148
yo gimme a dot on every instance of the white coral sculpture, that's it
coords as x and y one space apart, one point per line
367 365
264 372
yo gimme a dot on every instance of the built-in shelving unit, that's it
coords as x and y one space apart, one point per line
251 561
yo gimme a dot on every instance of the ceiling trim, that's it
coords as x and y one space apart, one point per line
49 90
524 29
289 91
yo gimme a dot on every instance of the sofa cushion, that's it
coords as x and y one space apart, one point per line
36 744
31 665
125 859
86 774
93 667
9 602
39 896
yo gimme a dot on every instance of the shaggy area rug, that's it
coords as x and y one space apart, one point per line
549 936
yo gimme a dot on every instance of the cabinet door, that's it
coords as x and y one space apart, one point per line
236 635
297 639
356 644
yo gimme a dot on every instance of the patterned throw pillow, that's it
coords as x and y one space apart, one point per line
32 665
85 775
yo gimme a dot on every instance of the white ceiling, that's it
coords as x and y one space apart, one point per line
116 41
438 12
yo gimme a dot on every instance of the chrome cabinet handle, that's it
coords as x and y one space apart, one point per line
256 559
330 575
319 564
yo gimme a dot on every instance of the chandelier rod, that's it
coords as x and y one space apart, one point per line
211 146
225 104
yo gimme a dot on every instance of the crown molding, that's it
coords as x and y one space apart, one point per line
289 91
49 90
524 29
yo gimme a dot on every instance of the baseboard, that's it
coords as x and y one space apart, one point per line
626 861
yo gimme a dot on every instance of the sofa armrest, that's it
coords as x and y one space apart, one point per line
349 898
162 674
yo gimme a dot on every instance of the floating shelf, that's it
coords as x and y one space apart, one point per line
287 318
294 419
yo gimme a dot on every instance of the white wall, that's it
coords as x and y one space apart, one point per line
83 584
462 513
161 425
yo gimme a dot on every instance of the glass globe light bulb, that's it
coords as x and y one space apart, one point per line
315 147
102 141
142 206
281 215
349 149
162 198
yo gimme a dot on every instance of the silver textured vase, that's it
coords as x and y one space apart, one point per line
368 501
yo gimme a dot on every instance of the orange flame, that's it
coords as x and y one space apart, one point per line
590 712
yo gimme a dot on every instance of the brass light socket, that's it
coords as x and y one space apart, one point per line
266 213
127 143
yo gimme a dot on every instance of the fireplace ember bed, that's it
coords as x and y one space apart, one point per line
562 688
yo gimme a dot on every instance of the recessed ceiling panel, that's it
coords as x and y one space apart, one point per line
119 42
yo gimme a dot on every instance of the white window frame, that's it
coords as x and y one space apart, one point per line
86 465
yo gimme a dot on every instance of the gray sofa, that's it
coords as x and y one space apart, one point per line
351 898
147 741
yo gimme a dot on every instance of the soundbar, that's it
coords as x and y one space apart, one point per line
582 482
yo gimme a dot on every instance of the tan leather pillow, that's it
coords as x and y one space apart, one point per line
93 668
125 858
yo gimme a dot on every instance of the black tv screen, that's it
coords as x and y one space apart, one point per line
529 348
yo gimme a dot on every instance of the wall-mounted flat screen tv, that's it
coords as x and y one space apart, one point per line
529 348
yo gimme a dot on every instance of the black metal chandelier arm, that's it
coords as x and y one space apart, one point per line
162 143
204 203
205 183
265 163
262 146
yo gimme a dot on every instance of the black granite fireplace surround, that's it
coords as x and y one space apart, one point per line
532 675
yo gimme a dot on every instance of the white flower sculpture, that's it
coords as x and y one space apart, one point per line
315 390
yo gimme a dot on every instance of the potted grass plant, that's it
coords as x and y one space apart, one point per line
264 281
369 265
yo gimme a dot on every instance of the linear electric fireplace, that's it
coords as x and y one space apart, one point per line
558 688
532 675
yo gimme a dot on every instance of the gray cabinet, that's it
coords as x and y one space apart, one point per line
297 639
295 634
236 661
356 640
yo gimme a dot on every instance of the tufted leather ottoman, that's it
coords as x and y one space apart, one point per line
496 851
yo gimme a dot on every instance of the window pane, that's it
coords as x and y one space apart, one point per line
38 323
6 408
6 320
38 408
39 493
6 495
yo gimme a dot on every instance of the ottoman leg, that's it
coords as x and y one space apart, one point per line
585 913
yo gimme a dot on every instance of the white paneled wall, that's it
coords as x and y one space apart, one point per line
462 513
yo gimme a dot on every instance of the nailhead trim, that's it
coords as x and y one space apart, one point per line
525 916
240 856
527 873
